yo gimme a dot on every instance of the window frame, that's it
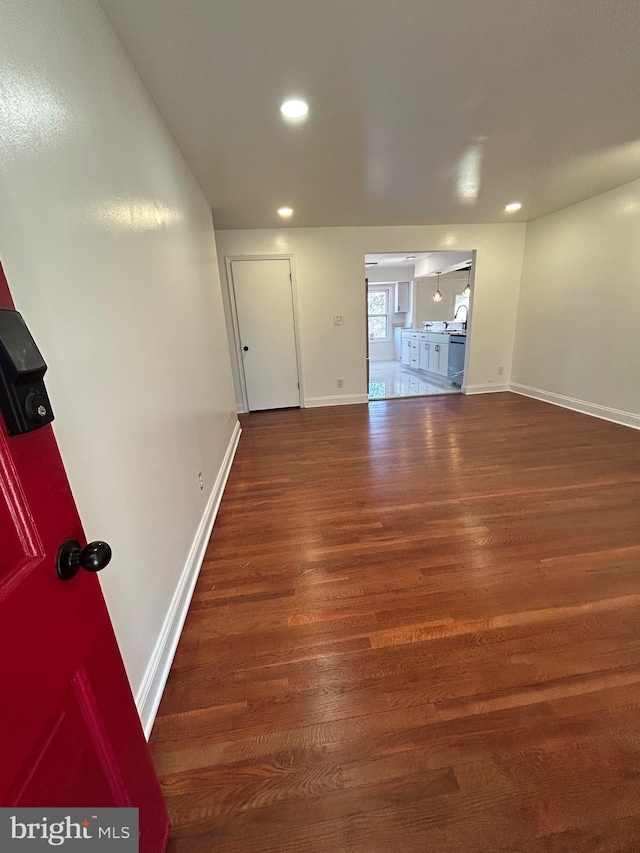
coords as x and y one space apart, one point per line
375 287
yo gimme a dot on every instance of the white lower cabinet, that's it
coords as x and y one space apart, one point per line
439 363
426 351
405 351
425 347
434 358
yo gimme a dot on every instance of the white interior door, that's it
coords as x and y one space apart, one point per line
264 307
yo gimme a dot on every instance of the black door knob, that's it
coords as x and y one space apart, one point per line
72 557
246 349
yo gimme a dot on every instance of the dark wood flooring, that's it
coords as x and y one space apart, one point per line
417 628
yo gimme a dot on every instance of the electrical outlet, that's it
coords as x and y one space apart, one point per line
340 383
200 480
500 370
337 320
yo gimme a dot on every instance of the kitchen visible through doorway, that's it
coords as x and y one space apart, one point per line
417 346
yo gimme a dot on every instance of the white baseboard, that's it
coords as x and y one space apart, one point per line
489 388
344 400
616 416
150 692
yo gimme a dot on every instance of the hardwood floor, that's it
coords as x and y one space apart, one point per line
417 628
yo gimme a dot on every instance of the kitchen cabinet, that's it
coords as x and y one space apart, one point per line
434 358
425 348
397 344
439 359
428 351
405 351
415 351
402 296
443 360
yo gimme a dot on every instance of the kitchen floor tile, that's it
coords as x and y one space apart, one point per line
389 379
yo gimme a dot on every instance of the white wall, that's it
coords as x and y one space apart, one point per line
426 309
579 313
108 247
329 265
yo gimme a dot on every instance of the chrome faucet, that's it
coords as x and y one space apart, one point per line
466 316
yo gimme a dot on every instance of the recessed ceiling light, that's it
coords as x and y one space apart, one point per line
285 211
410 258
511 208
294 109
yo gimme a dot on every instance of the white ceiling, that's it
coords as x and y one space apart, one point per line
421 111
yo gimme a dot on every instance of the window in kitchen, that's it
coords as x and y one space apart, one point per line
461 311
379 300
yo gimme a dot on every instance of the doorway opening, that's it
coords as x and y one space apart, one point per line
419 307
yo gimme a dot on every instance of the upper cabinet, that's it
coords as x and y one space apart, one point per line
402 297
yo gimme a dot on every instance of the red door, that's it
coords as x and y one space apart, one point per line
69 730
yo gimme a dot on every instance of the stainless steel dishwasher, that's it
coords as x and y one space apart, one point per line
457 345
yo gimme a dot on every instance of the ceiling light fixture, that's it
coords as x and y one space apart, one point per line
511 208
467 290
285 212
294 109
437 296
410 258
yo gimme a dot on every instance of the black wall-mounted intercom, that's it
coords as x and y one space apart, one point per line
24 402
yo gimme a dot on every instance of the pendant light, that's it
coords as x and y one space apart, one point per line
467 290
437 296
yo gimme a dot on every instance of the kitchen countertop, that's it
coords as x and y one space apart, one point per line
455 333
